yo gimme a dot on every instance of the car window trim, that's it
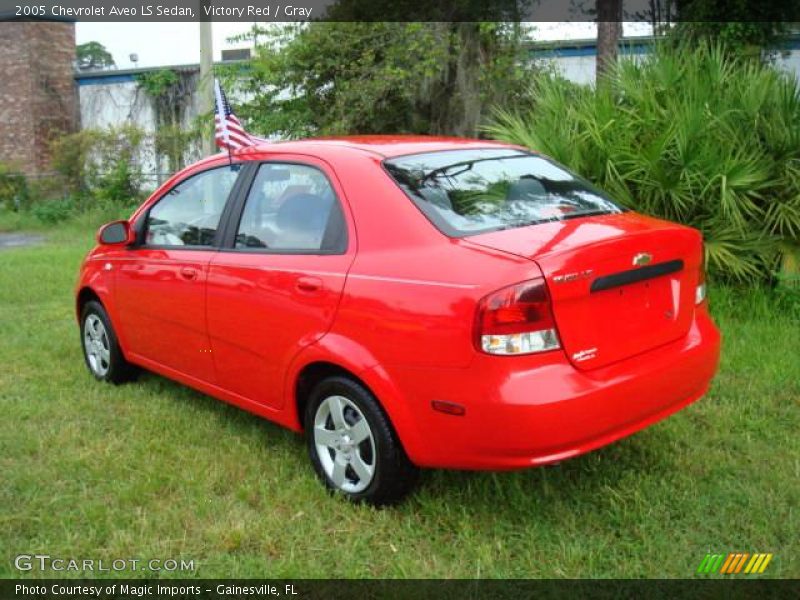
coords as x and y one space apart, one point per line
140 227
234 217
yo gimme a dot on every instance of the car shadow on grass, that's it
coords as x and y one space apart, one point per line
642 455
595 479
229 415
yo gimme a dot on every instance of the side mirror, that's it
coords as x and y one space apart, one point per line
116 233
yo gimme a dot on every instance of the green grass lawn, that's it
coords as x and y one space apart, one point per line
155 470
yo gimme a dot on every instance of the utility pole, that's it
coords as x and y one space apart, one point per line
205 90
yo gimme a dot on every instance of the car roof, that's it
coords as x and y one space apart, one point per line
384 146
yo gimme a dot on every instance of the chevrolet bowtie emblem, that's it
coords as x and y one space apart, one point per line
642 259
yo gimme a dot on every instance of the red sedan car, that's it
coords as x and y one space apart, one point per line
406 302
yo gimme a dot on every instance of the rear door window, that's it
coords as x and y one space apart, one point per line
292 208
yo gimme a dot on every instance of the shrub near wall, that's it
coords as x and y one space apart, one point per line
101 165
94 170
698 137
13 188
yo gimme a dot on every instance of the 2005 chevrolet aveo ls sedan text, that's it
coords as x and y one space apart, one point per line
406 302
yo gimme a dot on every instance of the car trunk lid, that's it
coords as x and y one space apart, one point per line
619 284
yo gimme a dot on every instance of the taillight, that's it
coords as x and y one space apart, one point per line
700 290
517 320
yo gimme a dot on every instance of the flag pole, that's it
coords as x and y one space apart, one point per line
223 120
205 83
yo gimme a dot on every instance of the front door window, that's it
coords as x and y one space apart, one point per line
189 214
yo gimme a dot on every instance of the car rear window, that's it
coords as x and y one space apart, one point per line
465 192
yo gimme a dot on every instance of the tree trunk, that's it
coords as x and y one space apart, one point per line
468 94
609 31
454 94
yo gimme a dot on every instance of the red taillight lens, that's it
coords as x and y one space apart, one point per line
517 320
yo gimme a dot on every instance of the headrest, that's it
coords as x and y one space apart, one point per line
526 188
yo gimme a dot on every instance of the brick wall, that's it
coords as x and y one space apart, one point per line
38 96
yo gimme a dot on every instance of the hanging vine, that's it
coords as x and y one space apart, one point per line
171 92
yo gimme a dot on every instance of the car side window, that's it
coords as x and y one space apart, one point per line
189 214
292 208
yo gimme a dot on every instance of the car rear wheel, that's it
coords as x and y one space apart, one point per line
101 350
352 445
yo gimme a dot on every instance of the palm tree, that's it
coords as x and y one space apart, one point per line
609 30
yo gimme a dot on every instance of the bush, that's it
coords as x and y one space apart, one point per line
97 172
51 212
101 166
697 136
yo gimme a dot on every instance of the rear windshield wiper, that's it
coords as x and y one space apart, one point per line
588 213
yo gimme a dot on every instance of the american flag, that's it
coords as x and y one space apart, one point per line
228 131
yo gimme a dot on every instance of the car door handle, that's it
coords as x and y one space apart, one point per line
308 285
188 273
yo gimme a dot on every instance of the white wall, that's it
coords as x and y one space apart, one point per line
790 62
116 100
105 105
579 69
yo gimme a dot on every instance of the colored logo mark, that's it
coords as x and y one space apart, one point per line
734 563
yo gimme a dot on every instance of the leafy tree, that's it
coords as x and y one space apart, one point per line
380 77
741 26
92 56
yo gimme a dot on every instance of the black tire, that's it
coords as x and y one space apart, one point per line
393 474
115 369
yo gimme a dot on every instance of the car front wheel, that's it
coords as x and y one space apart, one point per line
352 445
101 350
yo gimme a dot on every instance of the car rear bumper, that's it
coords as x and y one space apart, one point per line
539 409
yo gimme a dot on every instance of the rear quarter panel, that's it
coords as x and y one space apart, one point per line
411 293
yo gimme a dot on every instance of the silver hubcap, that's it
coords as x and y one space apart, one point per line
345 445
96 346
